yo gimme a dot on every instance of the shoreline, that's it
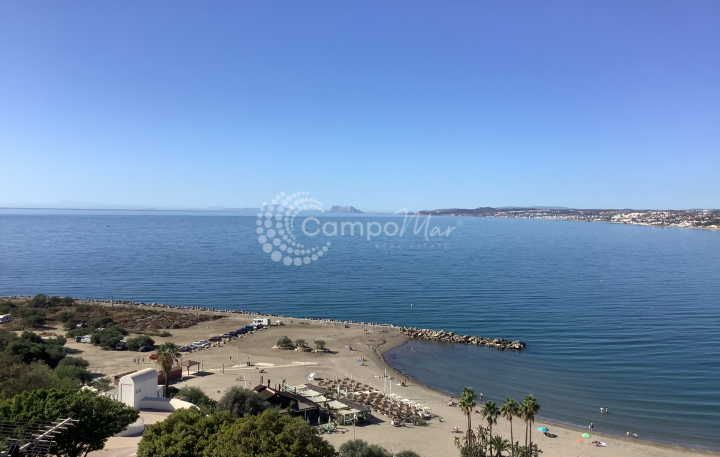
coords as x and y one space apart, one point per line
392 337
381 349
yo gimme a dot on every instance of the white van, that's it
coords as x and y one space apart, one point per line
265 322
5 318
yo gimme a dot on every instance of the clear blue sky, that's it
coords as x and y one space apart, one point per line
380 105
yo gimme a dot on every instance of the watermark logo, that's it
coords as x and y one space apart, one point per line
276 222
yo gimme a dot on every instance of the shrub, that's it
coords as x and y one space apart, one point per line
197 397
242 402
137 342
27 312
7 307
31 347
320 344
284 342
102 384
33 321
360 448
407 454
20 377
300 343
109 337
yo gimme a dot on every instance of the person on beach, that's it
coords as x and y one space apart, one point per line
627 434
591 426
481 397
602 410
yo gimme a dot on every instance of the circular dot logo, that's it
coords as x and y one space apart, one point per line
275 225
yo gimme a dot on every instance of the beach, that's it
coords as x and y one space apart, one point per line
220 370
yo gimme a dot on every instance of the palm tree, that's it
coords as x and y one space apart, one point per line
500 445
467 404
529 408
490 412
509 410
168 355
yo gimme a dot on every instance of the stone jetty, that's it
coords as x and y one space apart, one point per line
411 333
451 337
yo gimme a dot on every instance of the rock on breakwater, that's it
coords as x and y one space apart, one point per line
451 337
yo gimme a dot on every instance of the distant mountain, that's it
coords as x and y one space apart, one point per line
345 209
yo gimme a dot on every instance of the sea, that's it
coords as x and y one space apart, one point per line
616 316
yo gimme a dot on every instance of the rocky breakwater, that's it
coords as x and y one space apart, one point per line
451 337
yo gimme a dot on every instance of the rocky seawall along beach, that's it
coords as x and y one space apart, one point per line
451 337
411 333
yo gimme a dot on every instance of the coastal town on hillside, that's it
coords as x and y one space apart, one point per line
694 218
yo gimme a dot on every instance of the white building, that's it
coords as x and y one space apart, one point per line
134 387
141 391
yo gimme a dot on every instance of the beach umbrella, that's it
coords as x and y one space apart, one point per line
543 429
585 435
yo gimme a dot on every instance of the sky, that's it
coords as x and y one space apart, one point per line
380 105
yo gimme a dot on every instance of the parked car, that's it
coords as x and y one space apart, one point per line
227 335
216 338
120 346
153 356
241 331
145 349
185 349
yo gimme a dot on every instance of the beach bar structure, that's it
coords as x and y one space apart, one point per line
289 403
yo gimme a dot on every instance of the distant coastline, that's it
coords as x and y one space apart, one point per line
694 218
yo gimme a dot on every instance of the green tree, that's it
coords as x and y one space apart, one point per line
500 445
509 410
529 408
99 417
108 337
33 321
31 346
8 307
320 344
27 312
490 412
39 301
20 377
467 404
300 343
74 368
6 338
137 342
242 402
360 448
284 342
102 384
184 433
269 434
64 316
197 397
168 355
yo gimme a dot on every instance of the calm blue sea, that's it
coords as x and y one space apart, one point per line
621 316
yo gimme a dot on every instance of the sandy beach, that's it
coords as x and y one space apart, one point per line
220 371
